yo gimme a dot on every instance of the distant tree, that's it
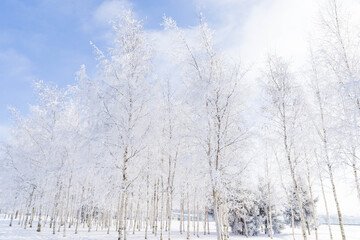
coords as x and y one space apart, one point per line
306 208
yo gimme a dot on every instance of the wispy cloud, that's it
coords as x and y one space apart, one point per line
15 66
109 10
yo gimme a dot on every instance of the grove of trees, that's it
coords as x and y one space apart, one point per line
142 146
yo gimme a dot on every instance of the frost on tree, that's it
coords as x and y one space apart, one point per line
146 148
306 207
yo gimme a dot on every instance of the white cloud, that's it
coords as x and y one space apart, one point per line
109 10
254 28
15 66
99 22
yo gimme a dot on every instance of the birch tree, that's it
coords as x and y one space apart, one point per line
124 97
215 108
340 53
284 108
320 89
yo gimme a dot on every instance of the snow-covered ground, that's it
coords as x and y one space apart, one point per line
17 233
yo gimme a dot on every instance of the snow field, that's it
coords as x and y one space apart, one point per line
17 233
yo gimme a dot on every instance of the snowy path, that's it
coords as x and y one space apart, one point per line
17 233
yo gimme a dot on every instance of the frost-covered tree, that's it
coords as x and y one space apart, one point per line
214 110
244 212
38 149
268 210
283 107
306 208
124 94
338 55
249 211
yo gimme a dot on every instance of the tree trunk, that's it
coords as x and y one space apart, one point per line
157 207
355 172
79 210
216 215
73 200
60 216
54 221
147 207
302 219
312 199
208 222
194 214
292 220
20 216
225 223
67 205
162 209
336 202
181 214
131 220
90 218
11 219
170 212
32 217
308 226
39 220
326 207
136 214
269 198
188 213
245 225
28 208
154 212
270 218
109 221
198 219
121 216
125 217
205 216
